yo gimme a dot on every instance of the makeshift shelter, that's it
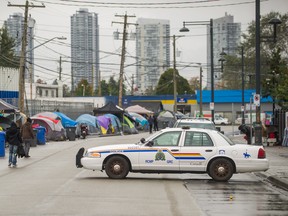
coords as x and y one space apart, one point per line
5 122
109 108
91 122
54 129
138 109
142 122
65 120
115 122
128 126
7 108
104 123
50 115
166 119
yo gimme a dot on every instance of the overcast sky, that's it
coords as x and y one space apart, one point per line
54 21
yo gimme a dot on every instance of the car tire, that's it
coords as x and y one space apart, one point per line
117 167
221 169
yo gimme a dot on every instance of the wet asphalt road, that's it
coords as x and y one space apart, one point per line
48 183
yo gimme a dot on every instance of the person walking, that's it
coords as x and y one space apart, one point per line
27 136
150 121
13 137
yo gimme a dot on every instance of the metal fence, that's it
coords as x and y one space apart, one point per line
280 123
71 109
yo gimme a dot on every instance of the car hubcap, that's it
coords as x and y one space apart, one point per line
116 168
221 170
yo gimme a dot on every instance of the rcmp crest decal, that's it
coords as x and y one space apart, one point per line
160 156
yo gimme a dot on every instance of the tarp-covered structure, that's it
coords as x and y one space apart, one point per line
110 107
91 122
142 122
138 109
166 119
5 122
54 129
115 123
128 126
7 108
65 120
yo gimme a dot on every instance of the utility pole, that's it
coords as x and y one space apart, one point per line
122 55
60 67
23 53
132 85
99 85
174 74
201 109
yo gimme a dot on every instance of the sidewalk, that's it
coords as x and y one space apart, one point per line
277 174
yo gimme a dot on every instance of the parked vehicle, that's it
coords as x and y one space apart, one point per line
218 120
176 150
195 123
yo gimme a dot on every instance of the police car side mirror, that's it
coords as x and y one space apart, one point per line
142 140
150 143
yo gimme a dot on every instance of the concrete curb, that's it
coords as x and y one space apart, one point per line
279 182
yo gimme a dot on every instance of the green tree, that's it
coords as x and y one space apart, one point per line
165 84
272 54
7 54
83 88
194 83
104 88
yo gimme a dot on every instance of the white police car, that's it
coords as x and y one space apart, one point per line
176 150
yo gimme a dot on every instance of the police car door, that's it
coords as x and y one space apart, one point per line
161 155
196 151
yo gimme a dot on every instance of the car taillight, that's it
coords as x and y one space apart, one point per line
261 153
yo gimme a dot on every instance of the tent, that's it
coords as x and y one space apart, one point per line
166 119
115 122
91 121
7 108
109 108
54 130
5 122
66 121
50 115
128 126
104 123
138 109
141 120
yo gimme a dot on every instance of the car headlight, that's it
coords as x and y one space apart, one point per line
93 154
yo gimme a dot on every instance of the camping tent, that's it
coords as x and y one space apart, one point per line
141 120
115 122
128 126
104 122
66 121
138 109
54 130
166 119
90 121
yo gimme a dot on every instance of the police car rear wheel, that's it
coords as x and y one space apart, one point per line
117 167
221 169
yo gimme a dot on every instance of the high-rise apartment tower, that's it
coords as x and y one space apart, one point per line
85 48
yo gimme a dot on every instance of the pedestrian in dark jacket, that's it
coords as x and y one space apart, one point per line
13 137
150 121
27 136
155 122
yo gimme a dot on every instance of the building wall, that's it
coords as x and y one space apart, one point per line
85 48
152 51
15 28
227 35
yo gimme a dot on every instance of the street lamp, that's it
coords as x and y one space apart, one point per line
210 24
83 89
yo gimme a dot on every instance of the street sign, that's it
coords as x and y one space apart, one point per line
242 108
211 106
256 99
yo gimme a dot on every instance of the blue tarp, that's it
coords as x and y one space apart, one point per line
65 120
